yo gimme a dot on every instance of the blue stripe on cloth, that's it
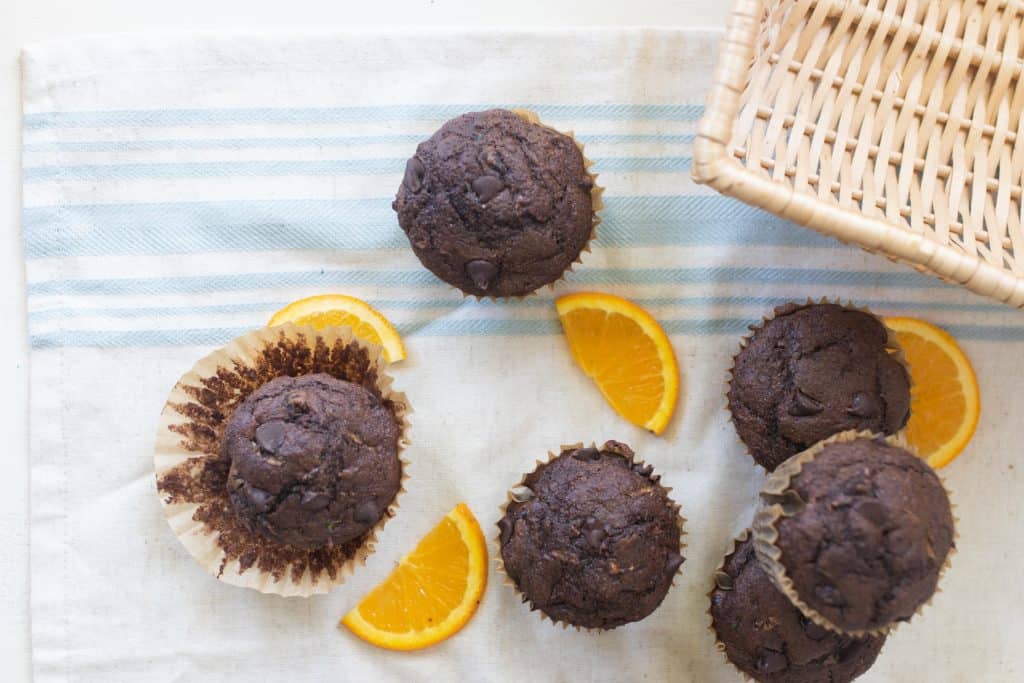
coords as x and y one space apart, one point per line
365 114
200 227
200 284
217 336
304 142
328 167
386 305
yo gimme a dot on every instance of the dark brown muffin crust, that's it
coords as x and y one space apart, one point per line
314 460
495 205
768 639
866 547
595 541
813 371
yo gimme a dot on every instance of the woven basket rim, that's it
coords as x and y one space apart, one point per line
714 165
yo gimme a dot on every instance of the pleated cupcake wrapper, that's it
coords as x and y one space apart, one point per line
720 569
171 450
510 497
896 351
767 516
596 203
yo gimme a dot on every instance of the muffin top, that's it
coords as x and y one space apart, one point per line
768 639
595 540
314 460
813 371
495 205
867 545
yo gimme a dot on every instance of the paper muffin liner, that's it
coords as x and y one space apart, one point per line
187 456
720 570
765 533
596 204
517 495
892 345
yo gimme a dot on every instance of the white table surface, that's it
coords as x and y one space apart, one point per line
25 21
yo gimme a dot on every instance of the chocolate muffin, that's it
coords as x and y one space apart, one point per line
496 205
810 372
863 533
591 538
314 460
768 639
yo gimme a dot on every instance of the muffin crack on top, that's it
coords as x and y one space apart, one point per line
221 423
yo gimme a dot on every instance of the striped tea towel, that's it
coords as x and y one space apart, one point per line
179 189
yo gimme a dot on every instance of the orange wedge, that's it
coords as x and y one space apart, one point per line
432 592
944 400
330 310
625 351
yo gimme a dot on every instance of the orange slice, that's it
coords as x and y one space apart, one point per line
330 310
625 351
944 400
432 592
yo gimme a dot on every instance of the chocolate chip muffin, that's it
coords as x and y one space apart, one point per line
496 205
863 532
768 639
314 460
813 371
591 538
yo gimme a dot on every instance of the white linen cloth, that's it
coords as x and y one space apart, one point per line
179 189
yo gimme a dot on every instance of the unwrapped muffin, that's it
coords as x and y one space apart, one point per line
496 204
856 532
811 371
591 538
767 638
279 458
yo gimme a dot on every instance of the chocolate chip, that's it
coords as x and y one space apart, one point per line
314 500
594 537
829 595
366 513
724 581
587 183
270 436
812 630
772 663
804 405
673 563
770 637
863 405
586 454
487 187
482 273
873 511
414 172
505 529
260 499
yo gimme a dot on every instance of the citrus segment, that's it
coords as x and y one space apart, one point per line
944 398
331 310
432 592
626 352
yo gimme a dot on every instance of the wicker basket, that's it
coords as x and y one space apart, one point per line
889 124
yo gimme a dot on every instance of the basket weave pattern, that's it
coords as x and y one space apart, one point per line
890 124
